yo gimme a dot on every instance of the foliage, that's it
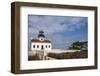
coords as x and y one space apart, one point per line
79 45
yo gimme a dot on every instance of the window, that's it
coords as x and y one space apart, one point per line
33 46
45 46
37 46
49 46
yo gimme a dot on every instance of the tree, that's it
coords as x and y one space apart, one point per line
79 45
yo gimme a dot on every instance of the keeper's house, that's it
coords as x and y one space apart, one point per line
41 43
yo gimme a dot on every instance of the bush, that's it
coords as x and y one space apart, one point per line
34 57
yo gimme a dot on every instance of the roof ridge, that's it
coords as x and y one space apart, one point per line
37 40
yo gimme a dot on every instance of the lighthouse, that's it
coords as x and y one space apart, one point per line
41 36
41 43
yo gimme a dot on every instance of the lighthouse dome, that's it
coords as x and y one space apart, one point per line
41 34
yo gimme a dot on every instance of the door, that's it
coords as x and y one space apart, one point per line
42 47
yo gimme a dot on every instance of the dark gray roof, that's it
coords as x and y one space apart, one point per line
37 40
41 34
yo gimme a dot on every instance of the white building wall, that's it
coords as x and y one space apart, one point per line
40 44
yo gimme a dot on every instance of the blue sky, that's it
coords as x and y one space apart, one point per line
61 30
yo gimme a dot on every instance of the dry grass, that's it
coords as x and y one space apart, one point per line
72 55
